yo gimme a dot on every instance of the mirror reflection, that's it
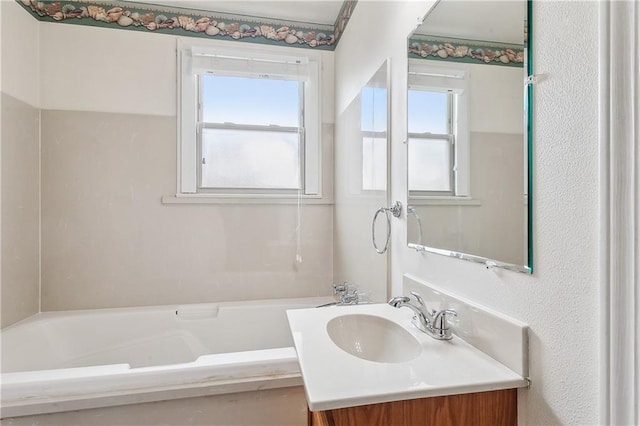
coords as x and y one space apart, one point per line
361 176
467 145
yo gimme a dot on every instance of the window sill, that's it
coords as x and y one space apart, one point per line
242 199
445 201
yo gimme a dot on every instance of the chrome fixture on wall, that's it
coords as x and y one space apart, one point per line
394 210
345 294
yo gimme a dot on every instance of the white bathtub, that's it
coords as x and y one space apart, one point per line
61 361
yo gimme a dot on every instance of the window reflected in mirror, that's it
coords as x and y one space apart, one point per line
373 122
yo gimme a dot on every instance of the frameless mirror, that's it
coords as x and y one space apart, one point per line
469 138
361 182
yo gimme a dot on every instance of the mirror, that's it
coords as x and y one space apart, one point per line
468 142
361 182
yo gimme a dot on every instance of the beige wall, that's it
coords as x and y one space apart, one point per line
108 241
20 53
20 210
20 154
109 156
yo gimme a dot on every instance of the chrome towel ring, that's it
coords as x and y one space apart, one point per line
394 210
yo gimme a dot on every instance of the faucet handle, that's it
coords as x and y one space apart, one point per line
350 298
440 319
340 288
418 298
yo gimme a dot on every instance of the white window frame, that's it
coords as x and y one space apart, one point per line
188 96
456 81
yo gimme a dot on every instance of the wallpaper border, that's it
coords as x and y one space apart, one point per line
145 17
466 51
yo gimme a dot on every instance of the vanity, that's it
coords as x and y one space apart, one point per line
369 364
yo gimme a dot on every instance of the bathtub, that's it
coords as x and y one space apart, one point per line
74 360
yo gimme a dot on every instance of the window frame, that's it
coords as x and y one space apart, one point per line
455 82
190 130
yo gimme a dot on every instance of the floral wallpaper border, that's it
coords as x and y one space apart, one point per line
467 51
192 23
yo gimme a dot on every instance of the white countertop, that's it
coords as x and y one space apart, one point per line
334 378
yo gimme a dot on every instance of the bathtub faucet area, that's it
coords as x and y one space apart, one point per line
345 294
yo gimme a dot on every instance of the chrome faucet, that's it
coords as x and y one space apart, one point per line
433 323
345 294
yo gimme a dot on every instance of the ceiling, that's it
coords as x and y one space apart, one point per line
498 21
312 11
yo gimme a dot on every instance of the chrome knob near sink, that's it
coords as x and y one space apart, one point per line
434 323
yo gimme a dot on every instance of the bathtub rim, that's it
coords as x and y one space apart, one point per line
282 371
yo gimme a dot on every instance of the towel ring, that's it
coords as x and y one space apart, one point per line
373 230
395 210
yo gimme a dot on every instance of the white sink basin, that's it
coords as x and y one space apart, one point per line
373 338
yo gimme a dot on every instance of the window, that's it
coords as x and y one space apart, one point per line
438 150
373 123
431 147
243 144
249 124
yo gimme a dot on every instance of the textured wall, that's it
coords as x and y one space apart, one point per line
20 153
559 301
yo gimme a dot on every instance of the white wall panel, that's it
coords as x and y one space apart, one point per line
19 43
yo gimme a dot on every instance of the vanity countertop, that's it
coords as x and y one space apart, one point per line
334 378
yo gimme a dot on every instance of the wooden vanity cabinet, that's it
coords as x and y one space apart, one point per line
495 408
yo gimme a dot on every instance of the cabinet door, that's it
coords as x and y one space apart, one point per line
497 408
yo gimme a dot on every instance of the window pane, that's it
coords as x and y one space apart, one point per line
244 100
374 163
428 112
373 109
430 165
249 159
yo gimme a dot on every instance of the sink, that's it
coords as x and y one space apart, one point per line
370 353
373 338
